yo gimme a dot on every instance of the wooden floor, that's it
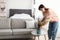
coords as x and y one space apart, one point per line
57 38
25 39
18 39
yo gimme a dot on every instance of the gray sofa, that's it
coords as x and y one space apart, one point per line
6 30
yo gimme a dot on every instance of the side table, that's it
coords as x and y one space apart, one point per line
43 32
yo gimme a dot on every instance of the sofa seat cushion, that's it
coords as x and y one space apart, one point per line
5 32
22 31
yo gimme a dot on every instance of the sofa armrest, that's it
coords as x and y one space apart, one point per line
5 23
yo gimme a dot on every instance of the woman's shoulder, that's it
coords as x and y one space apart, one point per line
50 10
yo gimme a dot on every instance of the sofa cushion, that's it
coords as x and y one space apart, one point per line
5 23
17 23
22 31
30 24
5 32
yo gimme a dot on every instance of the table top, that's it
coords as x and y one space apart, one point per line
43 32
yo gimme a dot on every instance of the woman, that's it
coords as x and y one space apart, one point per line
49 16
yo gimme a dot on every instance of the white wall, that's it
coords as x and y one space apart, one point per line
19 4
53 4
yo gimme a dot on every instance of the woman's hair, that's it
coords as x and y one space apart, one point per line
41 6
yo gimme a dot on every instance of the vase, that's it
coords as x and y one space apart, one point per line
38 30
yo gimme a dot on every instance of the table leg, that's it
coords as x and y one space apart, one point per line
38 38
45 37
34 37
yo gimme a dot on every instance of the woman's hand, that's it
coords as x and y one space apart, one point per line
42 27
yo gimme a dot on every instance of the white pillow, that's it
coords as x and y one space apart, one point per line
22 15
30 24
25 14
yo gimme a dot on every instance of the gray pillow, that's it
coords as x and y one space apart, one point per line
30 24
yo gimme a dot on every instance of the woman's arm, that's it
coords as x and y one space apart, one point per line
44 21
